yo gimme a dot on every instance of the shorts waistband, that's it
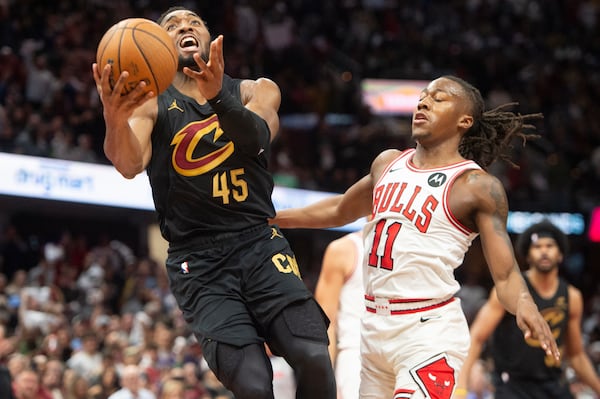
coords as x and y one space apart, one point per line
397 306
217 239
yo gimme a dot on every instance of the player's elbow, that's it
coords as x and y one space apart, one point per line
126 167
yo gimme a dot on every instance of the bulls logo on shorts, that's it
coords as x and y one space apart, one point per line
435 377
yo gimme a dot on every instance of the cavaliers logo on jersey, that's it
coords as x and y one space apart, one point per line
437 179
186 141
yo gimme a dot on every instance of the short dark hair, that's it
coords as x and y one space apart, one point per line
170 10
545 228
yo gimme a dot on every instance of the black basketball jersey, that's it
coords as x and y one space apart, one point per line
525 359
201 184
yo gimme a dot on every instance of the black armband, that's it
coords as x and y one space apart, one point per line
246 129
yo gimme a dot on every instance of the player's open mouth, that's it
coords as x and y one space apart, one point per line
188 43
419 118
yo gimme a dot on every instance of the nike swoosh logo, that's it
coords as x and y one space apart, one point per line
427 318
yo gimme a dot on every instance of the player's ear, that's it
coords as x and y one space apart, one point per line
465 122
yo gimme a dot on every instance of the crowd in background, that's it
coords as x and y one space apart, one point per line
85 314
543 55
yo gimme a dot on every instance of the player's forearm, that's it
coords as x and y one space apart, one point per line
322 214
246 129
123 149
512 290
462 383
585 371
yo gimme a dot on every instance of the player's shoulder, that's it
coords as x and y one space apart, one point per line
574 293
480 185
384 158
342 245
262 85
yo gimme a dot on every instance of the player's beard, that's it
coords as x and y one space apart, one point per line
188 61
546 267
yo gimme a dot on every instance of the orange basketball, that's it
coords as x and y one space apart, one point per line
142 48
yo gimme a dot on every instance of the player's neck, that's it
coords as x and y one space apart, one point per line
188 87
545 284
434 157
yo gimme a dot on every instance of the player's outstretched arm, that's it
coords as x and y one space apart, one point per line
490 218
129 120
332 211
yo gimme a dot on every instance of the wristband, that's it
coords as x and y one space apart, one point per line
461 391
248 131
224 102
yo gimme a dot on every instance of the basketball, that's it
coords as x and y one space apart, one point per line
142 48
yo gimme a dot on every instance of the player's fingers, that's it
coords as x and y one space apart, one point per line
139 94
543 334
120 84
549 343
200 62
138 100
95 73
218 51
193 74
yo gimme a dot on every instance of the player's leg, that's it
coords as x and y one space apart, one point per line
233 348
377 376
246 371
439 346
299 334
347 373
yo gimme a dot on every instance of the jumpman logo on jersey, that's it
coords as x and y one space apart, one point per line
275 233
174 106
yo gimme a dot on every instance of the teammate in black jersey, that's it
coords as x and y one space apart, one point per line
521 369
205 145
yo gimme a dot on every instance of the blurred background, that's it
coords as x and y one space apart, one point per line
349 71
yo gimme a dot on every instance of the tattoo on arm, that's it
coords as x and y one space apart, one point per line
500 209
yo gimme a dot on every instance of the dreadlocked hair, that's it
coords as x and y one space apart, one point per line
490 137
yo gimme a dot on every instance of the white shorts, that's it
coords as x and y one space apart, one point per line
413 354
347 373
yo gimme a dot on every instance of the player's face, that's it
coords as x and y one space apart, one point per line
190 35
544 255
440 112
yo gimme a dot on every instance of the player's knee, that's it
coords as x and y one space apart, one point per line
252 390
314 373
245 371
313 361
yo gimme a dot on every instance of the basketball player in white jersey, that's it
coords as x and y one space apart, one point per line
427 205
340 293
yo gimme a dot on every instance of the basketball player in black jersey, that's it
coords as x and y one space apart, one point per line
521 369
205 146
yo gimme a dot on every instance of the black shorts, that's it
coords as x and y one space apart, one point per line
517 388
230 287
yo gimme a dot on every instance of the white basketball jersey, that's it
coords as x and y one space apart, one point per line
352 301
414 243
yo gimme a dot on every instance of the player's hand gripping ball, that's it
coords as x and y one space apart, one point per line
142 48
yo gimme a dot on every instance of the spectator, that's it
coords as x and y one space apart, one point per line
52 379
87 361
77 387
26 385
173 389
132 382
